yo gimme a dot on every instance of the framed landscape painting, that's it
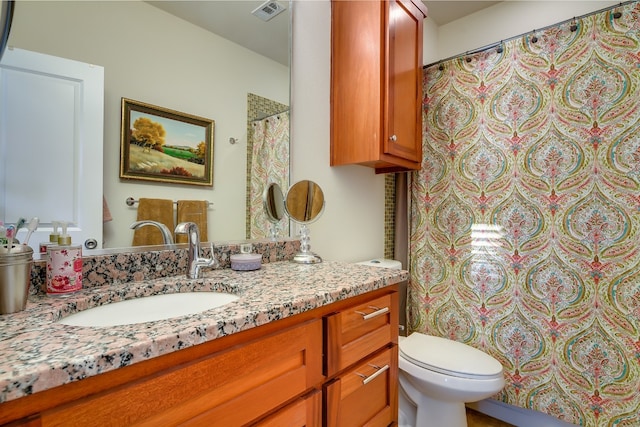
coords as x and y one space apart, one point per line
158 144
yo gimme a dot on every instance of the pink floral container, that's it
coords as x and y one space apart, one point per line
64 269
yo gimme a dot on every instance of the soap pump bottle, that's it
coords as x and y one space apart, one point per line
53 238
64 265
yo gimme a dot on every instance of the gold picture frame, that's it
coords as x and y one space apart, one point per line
163 145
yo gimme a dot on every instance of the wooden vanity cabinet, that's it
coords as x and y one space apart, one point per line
376 83
304 370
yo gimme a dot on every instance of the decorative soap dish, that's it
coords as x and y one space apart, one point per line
246 262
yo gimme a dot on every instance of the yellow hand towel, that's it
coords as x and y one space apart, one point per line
160 210
193 211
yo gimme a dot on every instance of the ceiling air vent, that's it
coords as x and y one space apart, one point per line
268 10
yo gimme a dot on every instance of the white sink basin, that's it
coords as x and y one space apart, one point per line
148 309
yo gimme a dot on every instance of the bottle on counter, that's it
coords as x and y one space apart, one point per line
64 265
53 239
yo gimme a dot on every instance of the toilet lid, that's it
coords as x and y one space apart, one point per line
449 357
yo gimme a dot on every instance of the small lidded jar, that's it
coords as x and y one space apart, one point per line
245 260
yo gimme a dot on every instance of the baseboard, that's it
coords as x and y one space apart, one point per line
519 417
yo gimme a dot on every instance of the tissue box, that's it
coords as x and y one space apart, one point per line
246 262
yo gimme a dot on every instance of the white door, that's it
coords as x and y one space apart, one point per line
51 130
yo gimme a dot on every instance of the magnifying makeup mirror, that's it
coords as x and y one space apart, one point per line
304 204
273 207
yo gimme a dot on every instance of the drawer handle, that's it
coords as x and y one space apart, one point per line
368 379
376 313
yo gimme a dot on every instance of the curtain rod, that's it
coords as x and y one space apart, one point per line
496 44
267 115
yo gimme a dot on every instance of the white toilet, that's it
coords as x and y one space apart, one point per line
437 376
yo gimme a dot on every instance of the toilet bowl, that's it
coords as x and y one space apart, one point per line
437 376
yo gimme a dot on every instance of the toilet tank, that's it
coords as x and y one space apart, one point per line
402 288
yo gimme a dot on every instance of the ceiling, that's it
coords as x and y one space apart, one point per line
233 20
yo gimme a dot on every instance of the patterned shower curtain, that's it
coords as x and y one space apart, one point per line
269 164
525 217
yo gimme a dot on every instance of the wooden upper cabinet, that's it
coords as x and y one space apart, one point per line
376 84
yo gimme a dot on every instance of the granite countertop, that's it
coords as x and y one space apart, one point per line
37 354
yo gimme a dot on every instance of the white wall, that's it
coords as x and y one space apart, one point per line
352 226
153 57
430 42
507 19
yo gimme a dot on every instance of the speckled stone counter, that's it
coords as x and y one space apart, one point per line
37 354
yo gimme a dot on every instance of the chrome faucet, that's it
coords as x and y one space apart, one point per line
167 237
193 254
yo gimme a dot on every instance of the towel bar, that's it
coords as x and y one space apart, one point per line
131 201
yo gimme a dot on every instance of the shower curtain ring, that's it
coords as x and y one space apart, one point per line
574 25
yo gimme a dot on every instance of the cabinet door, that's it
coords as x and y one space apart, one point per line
404 134
366 395
357 61
230 388
356 332
304 412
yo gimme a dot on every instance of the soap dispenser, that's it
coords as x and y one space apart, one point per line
53 238
64 265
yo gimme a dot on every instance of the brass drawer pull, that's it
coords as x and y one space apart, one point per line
376 313
367 379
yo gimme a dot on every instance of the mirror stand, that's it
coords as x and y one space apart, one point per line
273 233
304 204
305 256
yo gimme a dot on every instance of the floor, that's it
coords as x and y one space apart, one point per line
477 419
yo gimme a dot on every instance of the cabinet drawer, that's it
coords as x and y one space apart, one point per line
304 412
365 395
356 332
231 387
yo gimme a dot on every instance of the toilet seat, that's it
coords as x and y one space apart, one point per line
449 357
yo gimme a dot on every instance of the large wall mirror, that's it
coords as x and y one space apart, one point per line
213 59
6 14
